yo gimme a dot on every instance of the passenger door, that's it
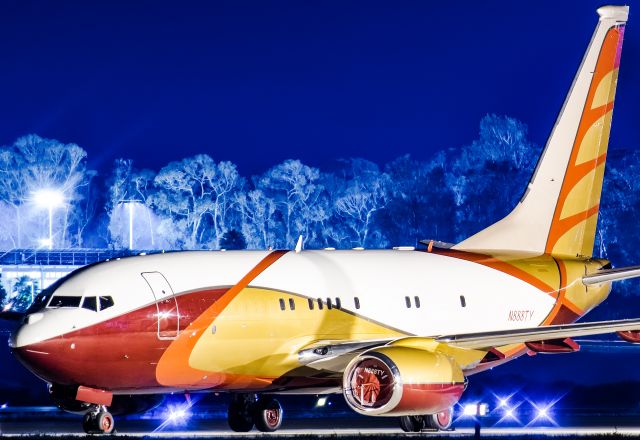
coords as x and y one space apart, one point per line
167 305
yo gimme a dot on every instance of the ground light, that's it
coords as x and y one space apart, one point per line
50 199
177 414
543 412
475 409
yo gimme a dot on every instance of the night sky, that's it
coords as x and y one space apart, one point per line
260 82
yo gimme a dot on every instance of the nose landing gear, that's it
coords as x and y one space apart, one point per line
98 421
247 411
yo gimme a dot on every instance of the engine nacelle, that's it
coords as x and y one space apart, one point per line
402 381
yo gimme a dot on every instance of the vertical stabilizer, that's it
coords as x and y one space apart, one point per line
559 211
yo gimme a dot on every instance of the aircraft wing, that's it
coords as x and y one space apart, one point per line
488 340
335 355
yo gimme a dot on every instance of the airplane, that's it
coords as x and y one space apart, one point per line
397 331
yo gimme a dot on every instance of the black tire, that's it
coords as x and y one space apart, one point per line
105 422
440 421
267 415
411 423
239 417
88 423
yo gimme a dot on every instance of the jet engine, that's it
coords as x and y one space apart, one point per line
402 381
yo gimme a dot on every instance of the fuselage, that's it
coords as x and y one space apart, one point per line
237 320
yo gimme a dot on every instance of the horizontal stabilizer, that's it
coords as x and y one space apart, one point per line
607 275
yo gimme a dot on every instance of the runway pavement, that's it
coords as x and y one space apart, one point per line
309 430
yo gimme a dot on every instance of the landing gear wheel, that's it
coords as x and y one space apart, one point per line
412 423
88 423
440 421
105 422
267 415
239 416
98 422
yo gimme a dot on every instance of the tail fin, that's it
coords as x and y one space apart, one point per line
559 210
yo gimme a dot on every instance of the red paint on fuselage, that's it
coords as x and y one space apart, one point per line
119 354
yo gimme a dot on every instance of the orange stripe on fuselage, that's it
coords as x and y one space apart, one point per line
502 266
173 368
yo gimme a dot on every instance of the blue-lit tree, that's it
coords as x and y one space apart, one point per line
33 164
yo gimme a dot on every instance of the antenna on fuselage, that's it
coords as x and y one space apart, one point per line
299 245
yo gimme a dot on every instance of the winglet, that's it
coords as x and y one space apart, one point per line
618 13
299 245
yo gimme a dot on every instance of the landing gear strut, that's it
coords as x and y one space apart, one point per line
247 410
98 421
439 422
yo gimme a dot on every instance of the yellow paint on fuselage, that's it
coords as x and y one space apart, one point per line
253 336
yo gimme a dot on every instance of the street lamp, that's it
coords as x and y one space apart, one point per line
131 205
50 199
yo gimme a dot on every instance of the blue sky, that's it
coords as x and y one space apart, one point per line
259 82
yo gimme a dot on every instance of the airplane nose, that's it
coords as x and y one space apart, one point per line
40 357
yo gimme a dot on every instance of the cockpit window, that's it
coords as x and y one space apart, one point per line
43 297
64 302
105 302
90 303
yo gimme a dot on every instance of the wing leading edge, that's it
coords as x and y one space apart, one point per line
334 355
488 340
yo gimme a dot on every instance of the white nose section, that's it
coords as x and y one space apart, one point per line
20 336
34 317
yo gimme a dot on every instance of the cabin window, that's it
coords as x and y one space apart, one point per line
356 302
282 307
105 302
417 301
329 304
292 304
320 306
65 302
338 303
407 301
90 303
463 301
310 304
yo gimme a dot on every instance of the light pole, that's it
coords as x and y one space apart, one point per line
50 199
131 205
130 225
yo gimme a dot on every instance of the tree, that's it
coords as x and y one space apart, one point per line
488 177
257 222
233 240
24 290
33 163
196 194
420 204
297 195
129 190
365 194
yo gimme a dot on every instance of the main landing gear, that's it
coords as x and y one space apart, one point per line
436 422
248 410
98 421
